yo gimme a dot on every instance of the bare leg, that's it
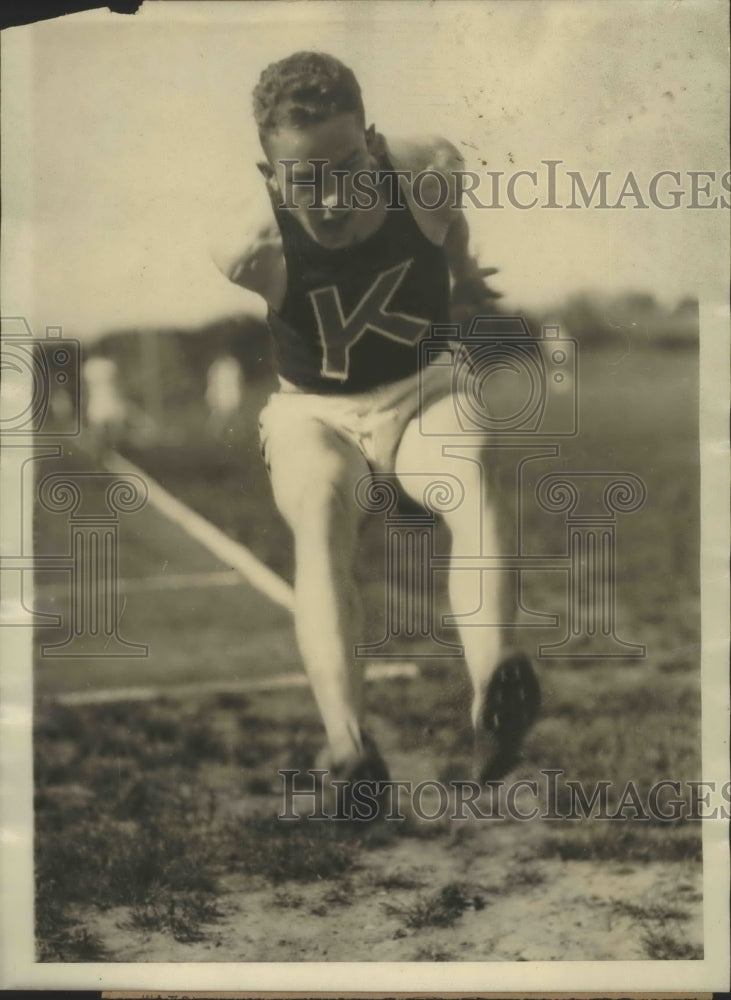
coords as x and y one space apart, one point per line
314 473
505 692
475 595
328 617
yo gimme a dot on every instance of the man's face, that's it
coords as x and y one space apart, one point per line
343 143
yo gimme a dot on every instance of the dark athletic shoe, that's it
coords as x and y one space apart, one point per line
361 800
510 706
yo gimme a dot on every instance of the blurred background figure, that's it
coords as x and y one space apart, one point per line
224 388
63 408
106 408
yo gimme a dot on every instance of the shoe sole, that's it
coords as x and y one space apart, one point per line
512 702
370 771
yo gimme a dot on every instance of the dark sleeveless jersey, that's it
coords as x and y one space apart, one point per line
352 318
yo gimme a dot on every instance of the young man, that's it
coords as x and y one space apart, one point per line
353 283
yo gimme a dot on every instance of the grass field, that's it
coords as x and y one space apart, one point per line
156 829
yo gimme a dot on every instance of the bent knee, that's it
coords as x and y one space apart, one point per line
318 508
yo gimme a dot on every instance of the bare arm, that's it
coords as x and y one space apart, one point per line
246 247
470 292
463 265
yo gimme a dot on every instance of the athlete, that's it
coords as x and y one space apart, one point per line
355 270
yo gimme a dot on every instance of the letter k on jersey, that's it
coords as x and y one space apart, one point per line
338 332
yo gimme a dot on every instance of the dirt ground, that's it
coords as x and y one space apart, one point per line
554 911
417 890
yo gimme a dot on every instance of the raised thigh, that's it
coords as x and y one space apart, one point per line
311 466
432 449
422 446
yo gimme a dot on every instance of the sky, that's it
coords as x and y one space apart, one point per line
129 136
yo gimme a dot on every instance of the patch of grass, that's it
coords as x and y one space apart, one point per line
253 753
144 828
660 926
70 943
650 911
182 915
398 881
59 937
200 743
254 723
60 722
663 945
632 841
110 863
53 764
259 785
292 850
161 724
140 797
106 778
287 900
261 740
431 954
689 892
441 909
341 894
98 860
131 734
524 876
680 661
420 718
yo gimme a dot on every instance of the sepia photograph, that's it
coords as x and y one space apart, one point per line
364 496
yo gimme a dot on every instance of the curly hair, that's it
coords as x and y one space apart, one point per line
304 88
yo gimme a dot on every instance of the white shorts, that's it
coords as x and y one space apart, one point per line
374 421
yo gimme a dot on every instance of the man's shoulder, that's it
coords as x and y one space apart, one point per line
420 153
238 229
245 243
433 202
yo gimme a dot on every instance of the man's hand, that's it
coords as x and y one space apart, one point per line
471 295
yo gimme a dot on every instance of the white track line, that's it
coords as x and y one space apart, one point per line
175 581
373 672
247 566
230 552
